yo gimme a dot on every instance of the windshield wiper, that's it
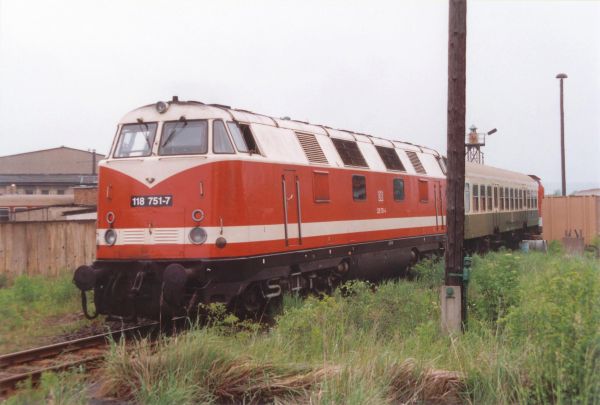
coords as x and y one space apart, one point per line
181 119
141 122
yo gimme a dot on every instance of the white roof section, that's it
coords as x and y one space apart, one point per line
494 174
277 140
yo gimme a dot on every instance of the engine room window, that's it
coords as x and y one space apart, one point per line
135 140
475 197
489 198
349 152
423 191
467 197
398 189
221 141
359 188
390 158
321 187
184 138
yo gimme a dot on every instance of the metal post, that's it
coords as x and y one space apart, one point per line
562 76
452 305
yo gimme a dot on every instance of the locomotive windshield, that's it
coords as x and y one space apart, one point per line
135 140
184 138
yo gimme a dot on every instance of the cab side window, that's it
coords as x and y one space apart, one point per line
221 141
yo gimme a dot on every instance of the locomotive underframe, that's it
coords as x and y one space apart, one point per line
142 288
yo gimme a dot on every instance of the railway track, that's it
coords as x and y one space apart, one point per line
89 351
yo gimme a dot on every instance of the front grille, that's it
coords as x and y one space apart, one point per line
168 236
132 236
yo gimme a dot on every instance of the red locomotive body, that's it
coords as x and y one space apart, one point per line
204 203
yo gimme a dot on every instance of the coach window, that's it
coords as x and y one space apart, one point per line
501 198
221 142
398 189
467 198
496 197
321 187
135 140
520 199
359 188
4 214
482 194
506 200
475 198
423 191
184 138
512 199
489 198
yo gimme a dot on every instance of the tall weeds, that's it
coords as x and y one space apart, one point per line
533 337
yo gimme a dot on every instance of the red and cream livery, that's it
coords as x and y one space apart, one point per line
201 203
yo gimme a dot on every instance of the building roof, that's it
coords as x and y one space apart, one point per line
590 191
48 179
61 160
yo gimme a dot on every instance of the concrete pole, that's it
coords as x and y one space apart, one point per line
562 76
450 294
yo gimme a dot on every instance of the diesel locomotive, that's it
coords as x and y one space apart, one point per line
202 203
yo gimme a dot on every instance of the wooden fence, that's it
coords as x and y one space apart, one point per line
562 215
46 247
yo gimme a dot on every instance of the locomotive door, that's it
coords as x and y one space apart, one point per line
292 210
438 200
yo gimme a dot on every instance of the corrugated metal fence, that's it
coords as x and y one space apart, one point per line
562 215
46 247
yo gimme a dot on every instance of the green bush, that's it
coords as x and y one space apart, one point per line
558 317
494 285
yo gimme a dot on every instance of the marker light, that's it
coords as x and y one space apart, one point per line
110 217
198 215
197 236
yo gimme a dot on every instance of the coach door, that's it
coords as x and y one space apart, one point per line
292 210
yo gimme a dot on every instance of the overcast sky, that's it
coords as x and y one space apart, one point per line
69 70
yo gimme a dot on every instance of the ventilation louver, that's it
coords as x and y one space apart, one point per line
416 162
349 152
311 148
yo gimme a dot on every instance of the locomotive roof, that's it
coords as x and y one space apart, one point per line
198 110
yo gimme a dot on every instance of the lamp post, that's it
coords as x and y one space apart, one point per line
562 76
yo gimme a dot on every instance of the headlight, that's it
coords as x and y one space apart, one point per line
197 236
110 236
162 107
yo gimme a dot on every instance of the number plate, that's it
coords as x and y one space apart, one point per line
151 201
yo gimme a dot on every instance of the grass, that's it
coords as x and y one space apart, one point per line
33 309
533 337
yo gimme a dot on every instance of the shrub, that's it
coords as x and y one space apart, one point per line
494 285
559 318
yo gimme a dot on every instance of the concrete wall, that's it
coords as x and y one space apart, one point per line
46 248
564 214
